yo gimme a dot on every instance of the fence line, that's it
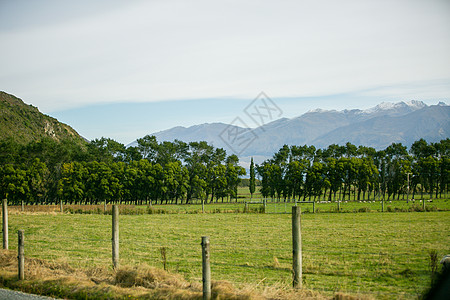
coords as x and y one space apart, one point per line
214 248
275 206
221 247
218 247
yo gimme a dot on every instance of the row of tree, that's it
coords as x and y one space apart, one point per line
305 172
105 170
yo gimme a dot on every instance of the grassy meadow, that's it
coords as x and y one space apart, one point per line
386 255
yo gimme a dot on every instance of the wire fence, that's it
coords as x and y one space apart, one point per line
257 204
319 265
241 259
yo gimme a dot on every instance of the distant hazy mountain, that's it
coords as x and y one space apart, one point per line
431 123
378 127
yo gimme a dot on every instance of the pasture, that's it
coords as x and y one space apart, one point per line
385 255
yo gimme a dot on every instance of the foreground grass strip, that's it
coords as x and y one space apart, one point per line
60 280
374 253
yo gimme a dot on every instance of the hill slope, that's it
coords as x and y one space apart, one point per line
24 123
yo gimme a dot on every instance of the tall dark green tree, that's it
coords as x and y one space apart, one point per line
13 183
252 184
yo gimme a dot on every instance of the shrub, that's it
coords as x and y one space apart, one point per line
415 207
431 208
262 209
151 210
364 210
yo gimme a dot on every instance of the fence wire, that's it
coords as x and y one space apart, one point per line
148 251
138 251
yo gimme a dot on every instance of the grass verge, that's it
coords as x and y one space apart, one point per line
60 280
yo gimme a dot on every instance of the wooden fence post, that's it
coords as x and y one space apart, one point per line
20 256
5 223
314 207
61 207
296 247
115 236
206 268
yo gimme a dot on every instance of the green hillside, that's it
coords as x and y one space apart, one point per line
25 123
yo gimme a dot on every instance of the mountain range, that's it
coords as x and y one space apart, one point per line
377 127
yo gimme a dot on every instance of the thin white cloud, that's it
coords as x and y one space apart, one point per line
163 50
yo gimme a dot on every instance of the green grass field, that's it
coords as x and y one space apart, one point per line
382 254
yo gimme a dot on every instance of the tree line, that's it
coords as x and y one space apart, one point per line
47 171
339 172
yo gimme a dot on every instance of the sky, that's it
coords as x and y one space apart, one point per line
124 69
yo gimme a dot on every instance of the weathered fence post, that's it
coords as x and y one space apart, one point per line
20 256
115 236
407 197
296 247
314 207
22 206
61 207
5 223
206 268
203 206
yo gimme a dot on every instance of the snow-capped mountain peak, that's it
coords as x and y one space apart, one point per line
408 106
396 108
415 104
317 110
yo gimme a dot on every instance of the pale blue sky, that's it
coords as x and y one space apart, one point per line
123 69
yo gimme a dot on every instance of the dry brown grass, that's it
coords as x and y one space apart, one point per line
59 279
34 208
55 209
